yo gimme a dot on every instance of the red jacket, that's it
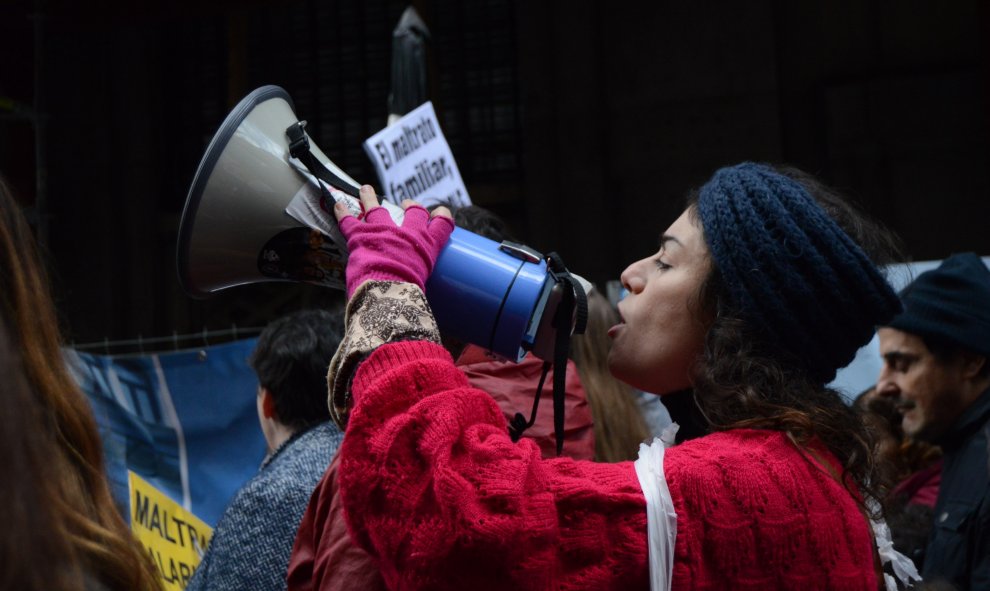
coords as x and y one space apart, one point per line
324 556
512 386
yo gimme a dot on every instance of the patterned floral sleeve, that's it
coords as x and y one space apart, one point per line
379 312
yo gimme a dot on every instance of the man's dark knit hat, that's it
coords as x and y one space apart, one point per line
950 303
790 270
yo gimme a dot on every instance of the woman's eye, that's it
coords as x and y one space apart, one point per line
661 265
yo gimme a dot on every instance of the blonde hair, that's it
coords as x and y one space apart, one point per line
619 423
86 535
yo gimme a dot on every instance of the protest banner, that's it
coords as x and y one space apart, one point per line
174 538
414 161
186 421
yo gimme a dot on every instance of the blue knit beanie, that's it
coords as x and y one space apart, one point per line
790 271
950 303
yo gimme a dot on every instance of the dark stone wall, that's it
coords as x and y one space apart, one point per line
621 108
628 107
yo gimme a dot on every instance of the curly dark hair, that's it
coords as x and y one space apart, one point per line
743 380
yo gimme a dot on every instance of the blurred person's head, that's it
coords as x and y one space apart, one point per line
88 540
619 423
291 360
935 353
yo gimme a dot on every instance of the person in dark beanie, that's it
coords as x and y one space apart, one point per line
757 294
252 541
937 370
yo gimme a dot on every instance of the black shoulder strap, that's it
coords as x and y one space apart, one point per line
573 306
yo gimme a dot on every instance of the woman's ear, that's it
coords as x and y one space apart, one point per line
268 404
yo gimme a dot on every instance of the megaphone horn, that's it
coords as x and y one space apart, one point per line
235 230
235 216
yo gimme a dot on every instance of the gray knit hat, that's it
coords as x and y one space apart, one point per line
790 270
950 303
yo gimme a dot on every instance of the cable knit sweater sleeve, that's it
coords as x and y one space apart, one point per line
433 486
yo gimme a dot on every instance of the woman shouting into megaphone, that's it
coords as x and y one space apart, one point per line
759 292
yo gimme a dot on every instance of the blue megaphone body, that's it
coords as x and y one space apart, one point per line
489 294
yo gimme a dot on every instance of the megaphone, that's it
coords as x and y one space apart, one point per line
236 229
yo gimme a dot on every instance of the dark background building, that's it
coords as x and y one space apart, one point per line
582 123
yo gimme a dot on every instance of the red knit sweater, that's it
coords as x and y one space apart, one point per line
324 557
433 486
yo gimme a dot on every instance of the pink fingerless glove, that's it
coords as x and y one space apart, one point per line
382 251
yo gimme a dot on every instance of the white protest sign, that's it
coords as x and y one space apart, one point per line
414 161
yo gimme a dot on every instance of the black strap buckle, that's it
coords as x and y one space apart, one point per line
299 149
298 142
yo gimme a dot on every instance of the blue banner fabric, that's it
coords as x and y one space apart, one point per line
186 421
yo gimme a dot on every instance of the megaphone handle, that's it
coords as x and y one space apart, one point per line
326 175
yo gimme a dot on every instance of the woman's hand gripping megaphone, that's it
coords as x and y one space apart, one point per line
383 251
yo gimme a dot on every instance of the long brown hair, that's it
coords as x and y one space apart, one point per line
87 539
619 423
744 381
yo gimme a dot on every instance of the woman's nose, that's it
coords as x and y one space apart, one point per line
632 278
